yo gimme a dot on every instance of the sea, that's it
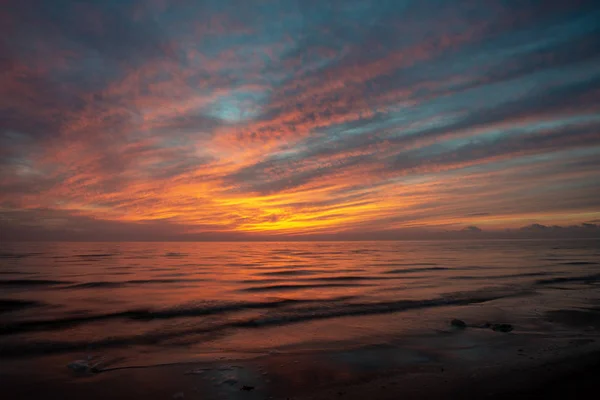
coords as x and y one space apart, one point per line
151 303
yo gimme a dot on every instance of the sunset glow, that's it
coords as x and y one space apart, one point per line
257 119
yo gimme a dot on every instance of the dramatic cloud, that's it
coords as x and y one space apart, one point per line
218 120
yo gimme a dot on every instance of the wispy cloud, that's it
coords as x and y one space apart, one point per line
297 118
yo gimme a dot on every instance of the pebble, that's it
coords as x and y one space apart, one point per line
502 327
458 323
79 366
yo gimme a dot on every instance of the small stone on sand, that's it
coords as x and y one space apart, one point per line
80 366
458 323
502 327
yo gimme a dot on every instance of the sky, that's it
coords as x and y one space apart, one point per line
236 119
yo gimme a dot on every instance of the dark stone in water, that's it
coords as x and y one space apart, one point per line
458 323
92 365
80 366
502 327
247 388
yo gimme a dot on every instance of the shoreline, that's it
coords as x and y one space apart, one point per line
481 364
568 377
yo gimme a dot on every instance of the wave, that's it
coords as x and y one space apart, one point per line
273 288
91 285
144 315
528 274
325 279
579 263
360 310
295 272
95 255
567 279
175 254
114 284
287 316
399 264
492 277
347 278
363 251
277 267
16 273
17 255
7 305
411 270
237 264
32 282
261 281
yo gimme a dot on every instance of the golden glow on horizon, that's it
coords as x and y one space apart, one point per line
259 131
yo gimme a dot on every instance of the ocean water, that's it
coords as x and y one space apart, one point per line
168 302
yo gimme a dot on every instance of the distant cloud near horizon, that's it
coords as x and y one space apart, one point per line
148 120
52 226
539 227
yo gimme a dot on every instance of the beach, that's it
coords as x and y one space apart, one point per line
299 199
300 320
539 368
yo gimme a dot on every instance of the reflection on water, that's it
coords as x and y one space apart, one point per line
256 298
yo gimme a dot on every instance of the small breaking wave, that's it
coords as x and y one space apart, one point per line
567 279
91 285
400 264
33 282
492 277
273 288
144 315
7 305
175 254
321 310
345 278
115 284
578 263
294 272
12 272
95 255
17 255
411 270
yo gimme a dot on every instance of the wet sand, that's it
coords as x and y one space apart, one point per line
472 363
571 377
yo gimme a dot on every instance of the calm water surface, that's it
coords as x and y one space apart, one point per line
179 301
